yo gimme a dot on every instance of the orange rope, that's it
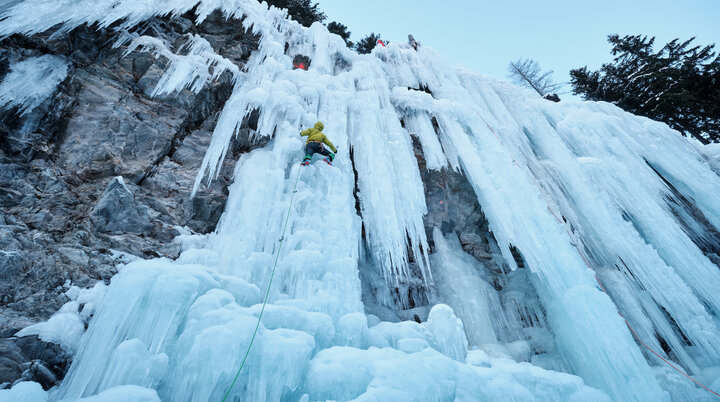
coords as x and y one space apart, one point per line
643 343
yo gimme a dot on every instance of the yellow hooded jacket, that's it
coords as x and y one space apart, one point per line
315 134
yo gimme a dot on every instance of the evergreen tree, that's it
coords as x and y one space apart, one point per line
678 85
367 44
340 29
302 11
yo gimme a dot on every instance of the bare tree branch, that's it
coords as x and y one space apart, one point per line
529 74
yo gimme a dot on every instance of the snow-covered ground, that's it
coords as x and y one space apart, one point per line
560 183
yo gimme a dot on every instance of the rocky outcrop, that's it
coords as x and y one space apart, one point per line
117 212
100 168
31 359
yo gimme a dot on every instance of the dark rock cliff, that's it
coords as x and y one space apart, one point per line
98 168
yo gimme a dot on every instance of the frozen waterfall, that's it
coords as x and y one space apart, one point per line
552 180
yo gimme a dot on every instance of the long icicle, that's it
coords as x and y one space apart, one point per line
267 291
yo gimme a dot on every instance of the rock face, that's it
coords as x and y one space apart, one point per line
117 212
101 167
29 358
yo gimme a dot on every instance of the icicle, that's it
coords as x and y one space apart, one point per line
31 82
462 287
195 68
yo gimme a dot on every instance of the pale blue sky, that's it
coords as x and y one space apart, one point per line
560 34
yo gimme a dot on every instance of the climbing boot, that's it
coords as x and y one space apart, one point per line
328 161
305 162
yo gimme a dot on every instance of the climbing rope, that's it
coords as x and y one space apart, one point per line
649 348
567 230
267 291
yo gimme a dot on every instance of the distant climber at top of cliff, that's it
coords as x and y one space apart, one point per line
412 42
301 61
315 142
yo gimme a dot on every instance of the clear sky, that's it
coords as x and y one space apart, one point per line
486 35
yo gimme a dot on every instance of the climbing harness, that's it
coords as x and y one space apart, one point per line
267 291
563 221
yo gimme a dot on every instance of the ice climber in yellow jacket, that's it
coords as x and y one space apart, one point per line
314 144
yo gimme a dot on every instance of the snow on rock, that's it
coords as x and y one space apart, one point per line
32 81
67 325
65 328
125 393
573 192
24 391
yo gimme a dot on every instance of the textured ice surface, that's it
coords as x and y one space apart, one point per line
24 391
195 65
65 328
461 285
31 82
558 183
67 325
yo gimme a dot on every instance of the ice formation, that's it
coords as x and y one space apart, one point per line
67 325
31 82
582 191
194 66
